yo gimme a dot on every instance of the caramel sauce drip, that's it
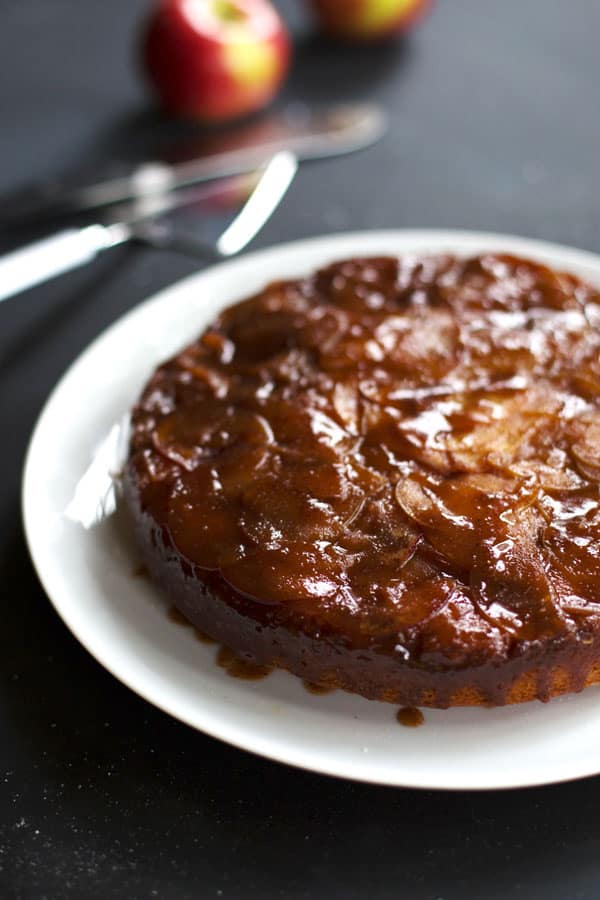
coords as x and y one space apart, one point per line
410 717
241 668
314 688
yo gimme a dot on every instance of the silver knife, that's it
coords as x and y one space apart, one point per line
306 132
73 247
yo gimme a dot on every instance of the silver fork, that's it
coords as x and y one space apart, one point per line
74 247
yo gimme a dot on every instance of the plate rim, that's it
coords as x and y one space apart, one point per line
227 732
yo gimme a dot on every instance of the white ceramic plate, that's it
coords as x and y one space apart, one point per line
121 619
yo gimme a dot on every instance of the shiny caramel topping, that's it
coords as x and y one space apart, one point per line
406 451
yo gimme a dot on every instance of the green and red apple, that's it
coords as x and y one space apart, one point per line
215 60
368 19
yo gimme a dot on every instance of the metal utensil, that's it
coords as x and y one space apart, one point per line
308 133
73 247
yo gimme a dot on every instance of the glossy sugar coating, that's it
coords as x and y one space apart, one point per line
397 457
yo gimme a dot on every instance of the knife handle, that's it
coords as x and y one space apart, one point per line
49 257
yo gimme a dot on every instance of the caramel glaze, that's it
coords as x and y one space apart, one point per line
410 717
241 668
313 688
385 477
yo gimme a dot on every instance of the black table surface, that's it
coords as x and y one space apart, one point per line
495 125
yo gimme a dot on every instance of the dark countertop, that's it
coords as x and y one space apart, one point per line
496 126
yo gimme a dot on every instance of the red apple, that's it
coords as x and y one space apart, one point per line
215 59
368 19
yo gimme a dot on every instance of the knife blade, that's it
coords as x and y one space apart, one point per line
307 133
